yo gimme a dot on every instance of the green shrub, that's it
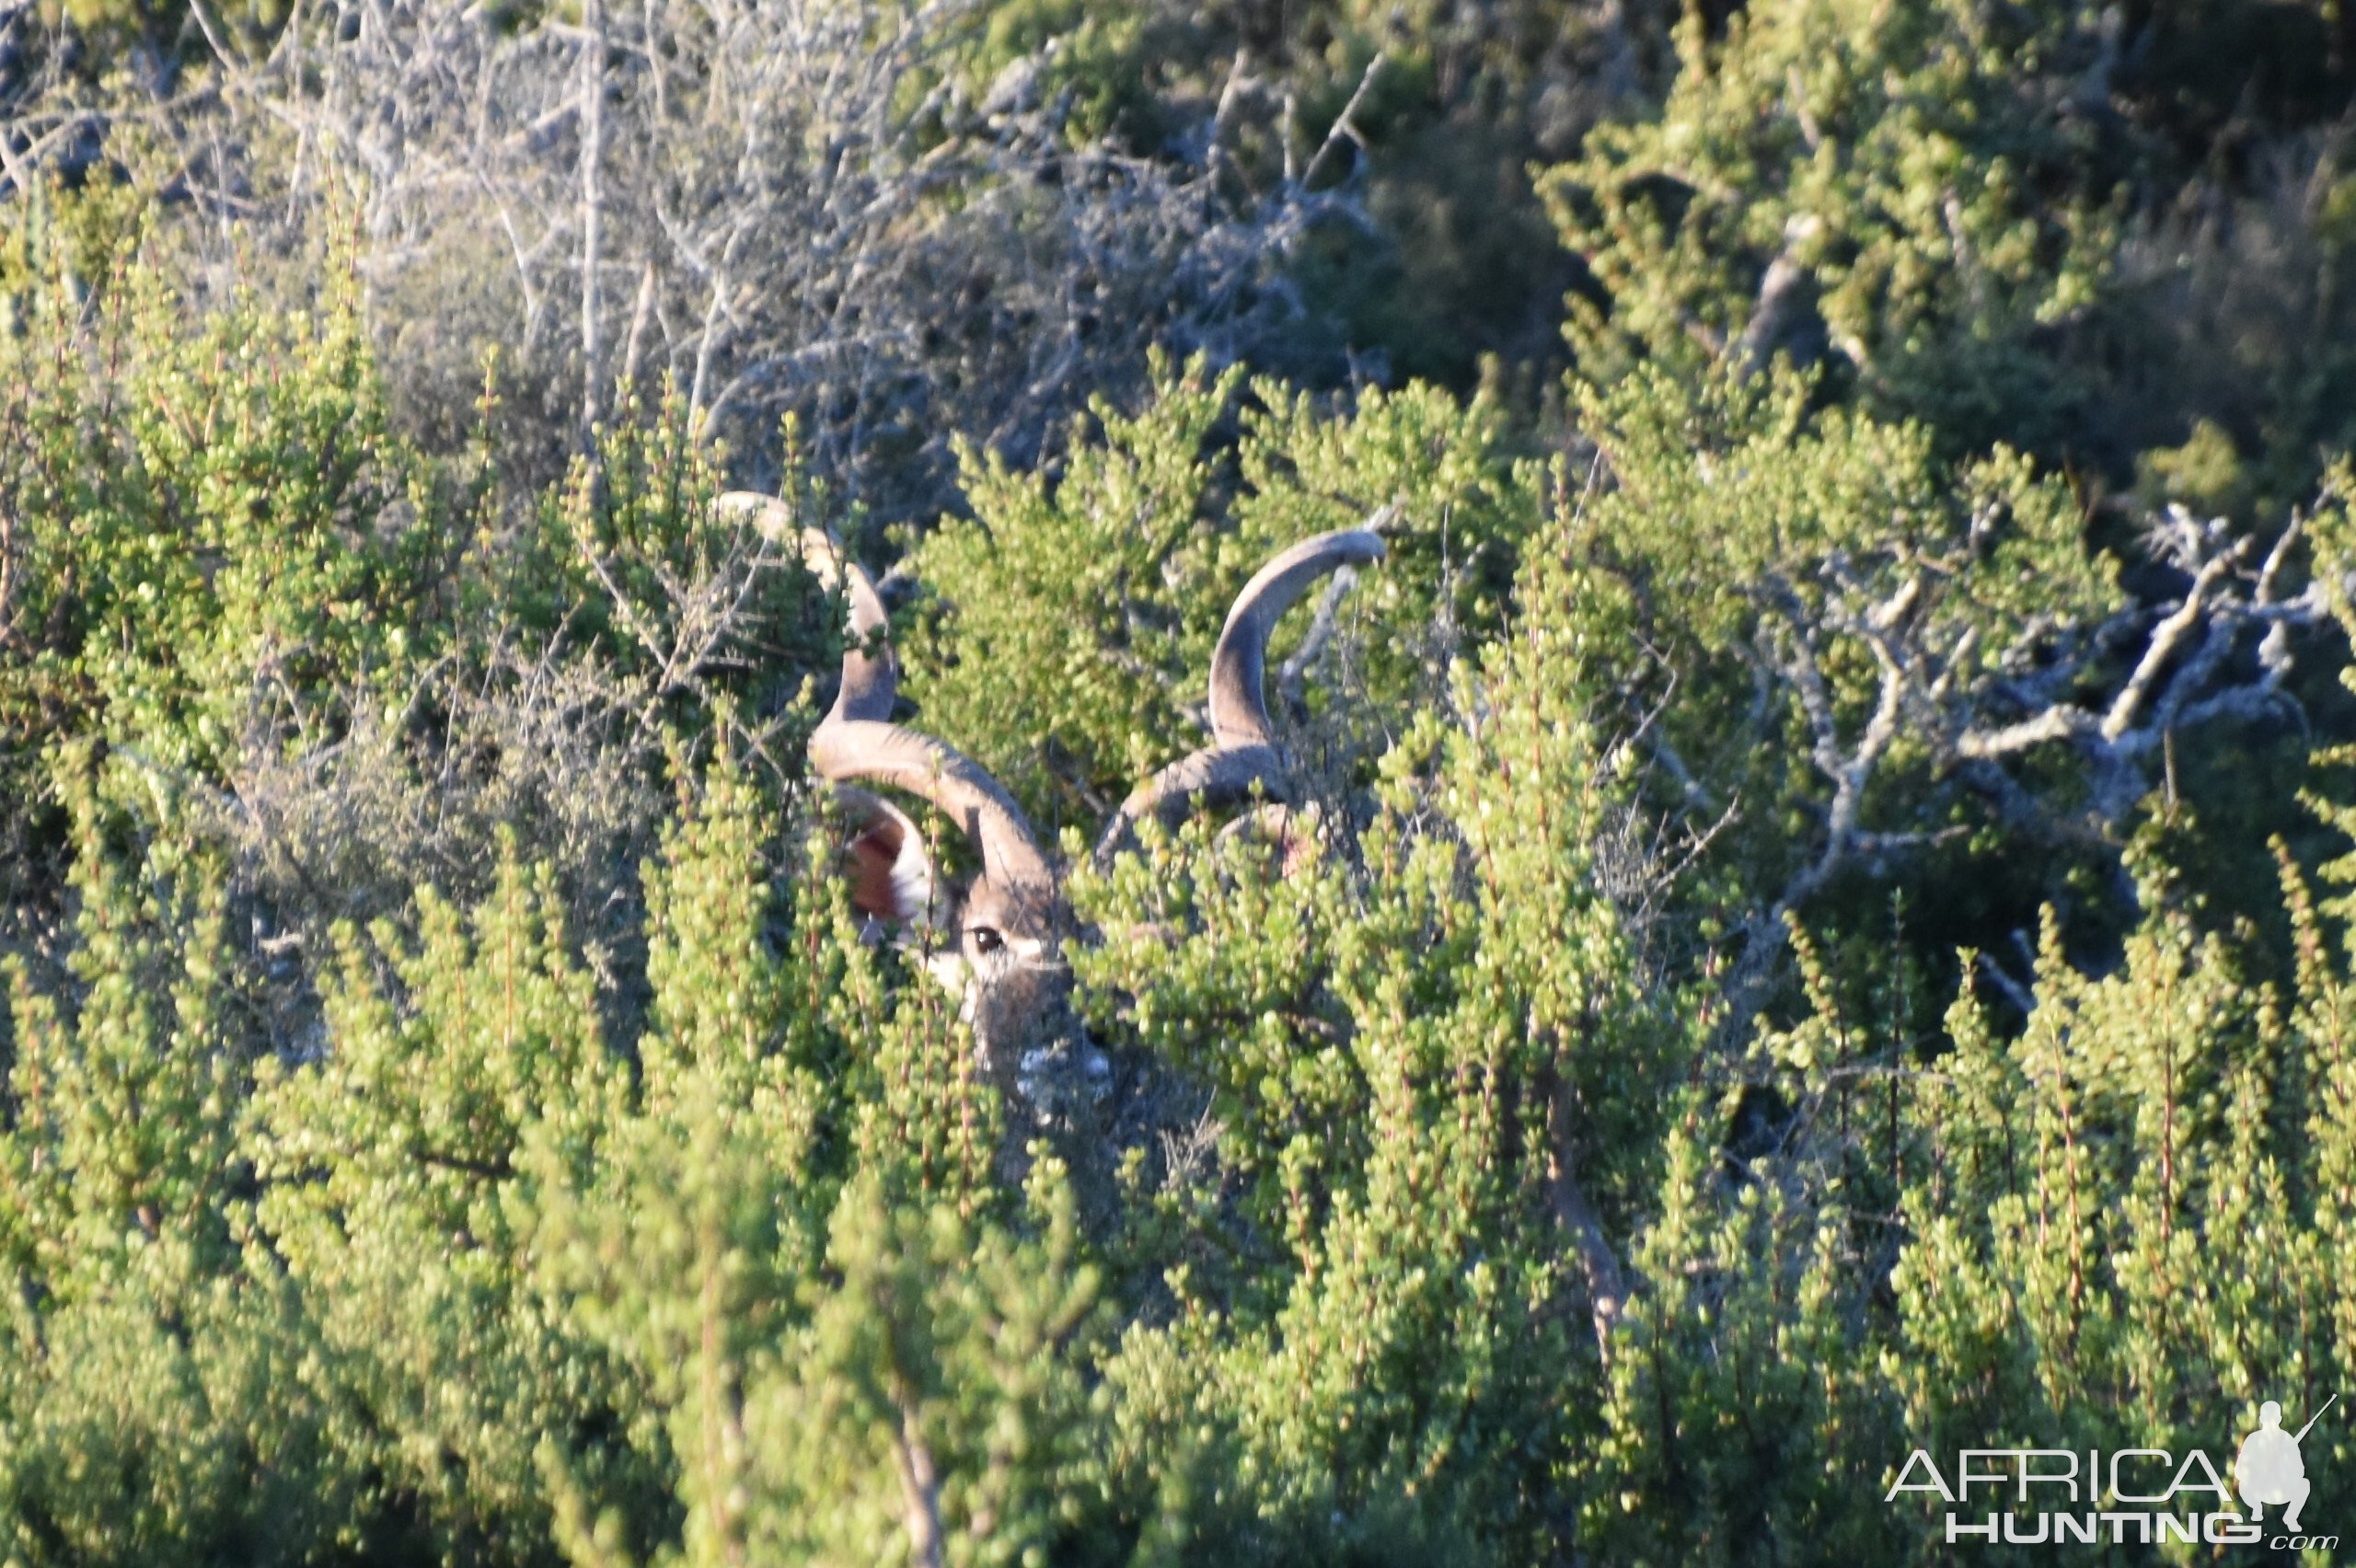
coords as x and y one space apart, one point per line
1949 215
208 523
1074 618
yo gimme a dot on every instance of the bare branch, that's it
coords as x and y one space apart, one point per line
1345 126
920 1487
1606 1284
2162 646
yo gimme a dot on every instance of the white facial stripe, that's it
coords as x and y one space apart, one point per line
1032 953
948 969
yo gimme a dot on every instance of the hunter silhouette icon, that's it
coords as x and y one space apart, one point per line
2268 1469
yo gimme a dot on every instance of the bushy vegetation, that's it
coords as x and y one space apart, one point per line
1832 926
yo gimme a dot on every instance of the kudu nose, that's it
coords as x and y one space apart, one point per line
1058 1080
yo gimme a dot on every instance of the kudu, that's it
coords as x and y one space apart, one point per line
1009 924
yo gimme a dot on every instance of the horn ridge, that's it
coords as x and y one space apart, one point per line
1243 754
867 751
1212 778
1239 710
856 742
871 674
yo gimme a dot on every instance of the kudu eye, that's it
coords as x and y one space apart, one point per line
986 939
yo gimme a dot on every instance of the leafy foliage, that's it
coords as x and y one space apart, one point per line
1144 540
1914 167
1818 920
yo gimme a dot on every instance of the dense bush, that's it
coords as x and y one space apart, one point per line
1830 930
1147 534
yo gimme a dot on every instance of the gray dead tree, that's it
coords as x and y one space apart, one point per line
776 209
2113 694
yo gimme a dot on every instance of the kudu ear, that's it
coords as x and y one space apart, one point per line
892 876
892 881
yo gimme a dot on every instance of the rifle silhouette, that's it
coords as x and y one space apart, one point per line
2313 1419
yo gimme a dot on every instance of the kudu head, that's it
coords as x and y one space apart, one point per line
998 939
